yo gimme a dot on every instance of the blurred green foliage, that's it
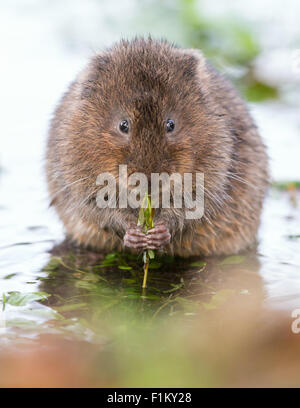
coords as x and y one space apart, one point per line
231 40
232 45
140 338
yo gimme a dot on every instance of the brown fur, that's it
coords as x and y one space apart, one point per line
148 82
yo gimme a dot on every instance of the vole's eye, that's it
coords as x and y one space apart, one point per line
170 125
124 126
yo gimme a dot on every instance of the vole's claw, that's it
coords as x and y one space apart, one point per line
158 237
135 238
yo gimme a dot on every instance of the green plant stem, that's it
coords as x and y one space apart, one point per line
146 267
146 221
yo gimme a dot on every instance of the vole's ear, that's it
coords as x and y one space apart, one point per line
194 52
196 58
196 55
88 79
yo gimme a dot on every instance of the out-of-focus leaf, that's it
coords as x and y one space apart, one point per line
22 299
189 306
175 287
155 265
297 236
111 256
4 300
259 91
53 264
70 307
233 260
151 254
141 217
286 185
218 299
198 263
11 275
125 267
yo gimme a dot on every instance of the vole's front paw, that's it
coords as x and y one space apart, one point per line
135 238
158 237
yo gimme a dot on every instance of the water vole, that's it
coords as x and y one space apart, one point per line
156 108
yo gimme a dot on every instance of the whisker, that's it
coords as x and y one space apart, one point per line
236 177
86 199
67 186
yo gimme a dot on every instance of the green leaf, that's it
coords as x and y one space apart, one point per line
151 254
189 306
4 300
69 308
129 281
296 236
126 267
218 299
149 206
22 299
175 287
11 275
152 297
53 264
111 256
155 265
233 260
198 263
141 217
145 202
259 91
286 185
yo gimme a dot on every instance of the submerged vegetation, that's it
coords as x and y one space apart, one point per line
200 322
79 287
168 336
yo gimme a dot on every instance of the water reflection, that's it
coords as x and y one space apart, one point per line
197 325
